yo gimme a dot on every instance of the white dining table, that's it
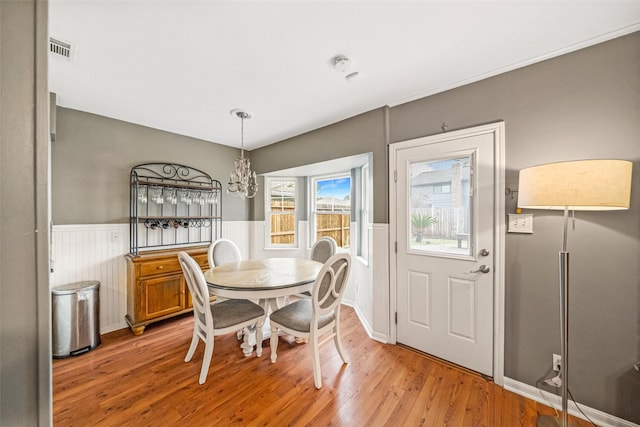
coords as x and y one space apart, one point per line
264 280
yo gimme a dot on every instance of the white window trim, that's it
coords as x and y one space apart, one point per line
364 222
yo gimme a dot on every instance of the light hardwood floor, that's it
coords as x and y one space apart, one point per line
143 381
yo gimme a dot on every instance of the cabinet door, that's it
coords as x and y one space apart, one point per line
161 296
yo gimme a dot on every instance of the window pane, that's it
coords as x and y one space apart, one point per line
440 214
332 208
283 229
282 194
334 225
333 195
281 211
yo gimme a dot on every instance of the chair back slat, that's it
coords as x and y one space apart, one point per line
330 284
197 287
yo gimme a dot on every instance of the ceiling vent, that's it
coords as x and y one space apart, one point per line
60 49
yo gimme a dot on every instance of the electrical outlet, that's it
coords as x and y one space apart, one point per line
557 361
520 223
115 236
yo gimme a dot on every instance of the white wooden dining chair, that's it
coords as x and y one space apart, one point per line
323 249
211 319
318 316
222 251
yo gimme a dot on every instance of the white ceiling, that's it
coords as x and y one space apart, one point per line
181 66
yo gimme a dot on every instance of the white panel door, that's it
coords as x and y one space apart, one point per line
445 251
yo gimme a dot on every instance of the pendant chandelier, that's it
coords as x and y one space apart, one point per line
242 180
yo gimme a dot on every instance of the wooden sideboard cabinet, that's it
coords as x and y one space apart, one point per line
156 288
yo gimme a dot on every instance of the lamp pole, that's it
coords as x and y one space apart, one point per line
563 259
589 185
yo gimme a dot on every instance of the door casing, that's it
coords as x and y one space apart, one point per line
497 129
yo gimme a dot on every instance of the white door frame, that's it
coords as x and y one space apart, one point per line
498 131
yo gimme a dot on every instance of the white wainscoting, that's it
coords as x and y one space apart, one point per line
240 233
371 302
380 283
94 252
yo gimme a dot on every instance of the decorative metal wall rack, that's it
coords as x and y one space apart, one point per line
173 205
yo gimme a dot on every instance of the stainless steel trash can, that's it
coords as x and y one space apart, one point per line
75 309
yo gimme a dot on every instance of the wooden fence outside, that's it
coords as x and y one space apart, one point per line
334 225
337 226
451 222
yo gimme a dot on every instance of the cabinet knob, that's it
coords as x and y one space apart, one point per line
160 267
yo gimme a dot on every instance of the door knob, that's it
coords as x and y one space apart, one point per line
482 269
484 252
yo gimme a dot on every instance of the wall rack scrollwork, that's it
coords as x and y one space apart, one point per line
173 205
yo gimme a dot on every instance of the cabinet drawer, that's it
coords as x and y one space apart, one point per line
160 267
202 261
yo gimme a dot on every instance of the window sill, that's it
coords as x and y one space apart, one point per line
363 261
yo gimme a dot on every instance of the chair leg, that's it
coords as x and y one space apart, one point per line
192 347
274 344
315 356
206 360
337 339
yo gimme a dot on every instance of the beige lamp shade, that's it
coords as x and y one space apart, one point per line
588 185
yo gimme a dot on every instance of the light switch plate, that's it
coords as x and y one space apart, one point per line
520 223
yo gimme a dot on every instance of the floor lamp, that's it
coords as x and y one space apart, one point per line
588 185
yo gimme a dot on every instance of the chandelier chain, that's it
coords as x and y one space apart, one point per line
242 180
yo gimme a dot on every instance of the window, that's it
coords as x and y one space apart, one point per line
331 208
442 188
280 211
440 206
332 198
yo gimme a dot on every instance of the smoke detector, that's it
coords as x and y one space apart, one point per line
341 63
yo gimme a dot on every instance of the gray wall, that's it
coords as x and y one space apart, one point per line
578 106
582 105
360 134
93 155
25 355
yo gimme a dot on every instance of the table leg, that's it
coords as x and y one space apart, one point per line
249 334
249 340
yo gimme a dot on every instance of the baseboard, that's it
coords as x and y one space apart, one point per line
600 418
373 335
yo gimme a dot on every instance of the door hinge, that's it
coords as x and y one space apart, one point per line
395 247
395 176
396 317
